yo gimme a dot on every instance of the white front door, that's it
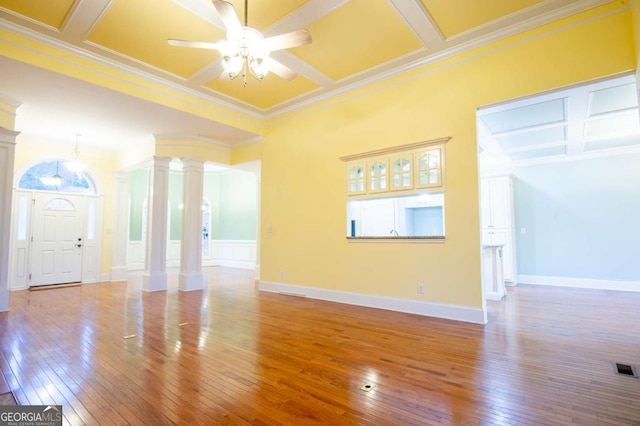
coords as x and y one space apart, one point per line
56 251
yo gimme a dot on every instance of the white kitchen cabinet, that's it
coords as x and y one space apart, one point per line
498 223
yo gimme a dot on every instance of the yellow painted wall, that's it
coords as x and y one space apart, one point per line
7 115
635 14
102 165
245 153
303 191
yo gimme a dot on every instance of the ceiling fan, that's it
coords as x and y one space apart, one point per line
246 48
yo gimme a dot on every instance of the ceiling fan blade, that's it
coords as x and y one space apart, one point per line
288 40
196 44
280 70
228 15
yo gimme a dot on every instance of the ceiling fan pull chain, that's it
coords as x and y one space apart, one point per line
244 74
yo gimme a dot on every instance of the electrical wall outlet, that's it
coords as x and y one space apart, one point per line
281 274
420 288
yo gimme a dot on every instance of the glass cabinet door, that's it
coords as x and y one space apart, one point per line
429 168
378 175
401 173
356 178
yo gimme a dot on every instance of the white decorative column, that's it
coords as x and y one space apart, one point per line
120 228
191 277
155 263
7 158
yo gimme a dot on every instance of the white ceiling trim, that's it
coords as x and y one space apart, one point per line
421 58
86 54
199 138
83 18
206 74
28 21
290 60
203 9
303 16
586 155
531 17
419 20
575 111
10 101
528 129
535 147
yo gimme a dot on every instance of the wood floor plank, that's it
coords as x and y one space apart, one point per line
232 355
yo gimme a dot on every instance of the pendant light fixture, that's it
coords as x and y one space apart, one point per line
75 166
55 180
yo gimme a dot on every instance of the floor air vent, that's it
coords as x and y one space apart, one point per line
625 369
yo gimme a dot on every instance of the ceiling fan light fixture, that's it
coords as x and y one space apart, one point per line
258 67
245 50
233 65
244 47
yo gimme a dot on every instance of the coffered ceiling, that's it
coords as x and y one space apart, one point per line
354 41
600 118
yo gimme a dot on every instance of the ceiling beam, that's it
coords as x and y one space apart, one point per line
84 16
303 16
419 20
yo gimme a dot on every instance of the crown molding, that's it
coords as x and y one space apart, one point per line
451 47
125 68
185 137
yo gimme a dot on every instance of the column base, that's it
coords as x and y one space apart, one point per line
189 282
4 300
119 273
256 274
154 282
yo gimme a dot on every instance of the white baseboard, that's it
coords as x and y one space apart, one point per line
453 312
580 283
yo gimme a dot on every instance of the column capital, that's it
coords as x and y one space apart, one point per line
160 162
192 163
8 136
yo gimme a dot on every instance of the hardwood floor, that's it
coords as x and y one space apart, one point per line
230 355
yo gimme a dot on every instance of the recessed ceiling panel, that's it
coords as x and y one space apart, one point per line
611 143
527 116
551 151
356 36
623 124
263 14
48 12
536 136
455 17
127 29
613 99
263 94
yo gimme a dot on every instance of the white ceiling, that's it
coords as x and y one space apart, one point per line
594 119
54 107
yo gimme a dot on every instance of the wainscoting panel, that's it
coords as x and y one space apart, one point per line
231 253
135 255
